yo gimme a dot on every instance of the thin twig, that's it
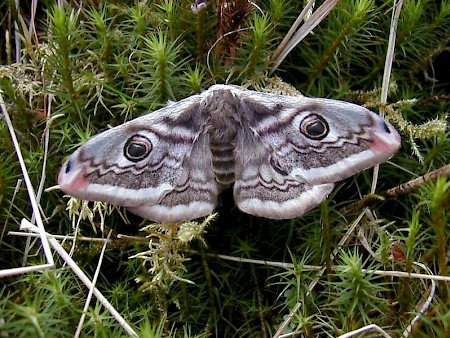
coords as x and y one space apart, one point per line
410 186
46 142
32 195
292 30
11 203
122 238
216 42
387 74
91 289
28 244
402 189
367 328
27 226
285 265
303 31
425 305
17 34
314 282
372 327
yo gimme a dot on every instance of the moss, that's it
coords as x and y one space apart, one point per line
105 63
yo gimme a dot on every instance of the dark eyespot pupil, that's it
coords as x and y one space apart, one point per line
137 148
314 127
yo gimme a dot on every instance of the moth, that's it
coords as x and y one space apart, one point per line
282 153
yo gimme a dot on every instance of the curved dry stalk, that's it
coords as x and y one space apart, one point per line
27 226
34 204
426 304
367 328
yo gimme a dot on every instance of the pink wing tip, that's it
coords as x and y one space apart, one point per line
386 140
71 182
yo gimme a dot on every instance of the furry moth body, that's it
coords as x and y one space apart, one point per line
282 153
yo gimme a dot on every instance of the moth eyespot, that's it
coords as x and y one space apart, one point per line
314 127
137 148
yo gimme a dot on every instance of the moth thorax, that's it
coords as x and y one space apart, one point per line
225 122
223 154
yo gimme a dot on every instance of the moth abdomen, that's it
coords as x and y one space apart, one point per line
223 161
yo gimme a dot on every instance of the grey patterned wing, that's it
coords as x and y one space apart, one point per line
265 190
300 147
158 166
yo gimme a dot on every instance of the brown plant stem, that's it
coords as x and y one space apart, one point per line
402 189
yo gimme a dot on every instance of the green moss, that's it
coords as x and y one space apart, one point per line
105 63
